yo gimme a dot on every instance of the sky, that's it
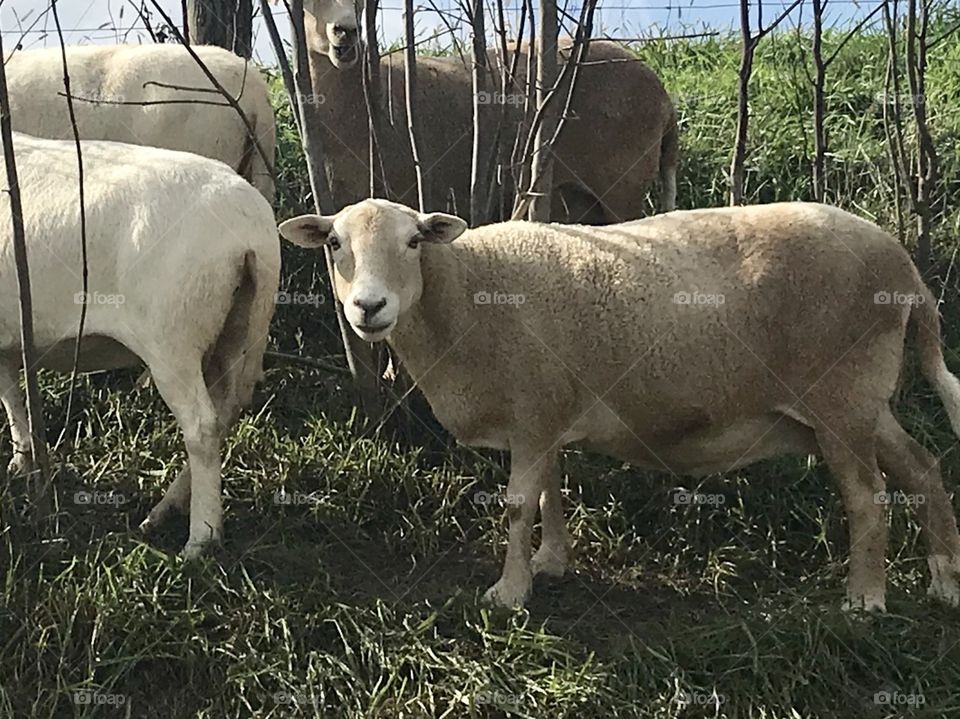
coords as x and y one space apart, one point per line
112 21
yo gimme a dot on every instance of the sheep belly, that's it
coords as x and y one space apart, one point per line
697 450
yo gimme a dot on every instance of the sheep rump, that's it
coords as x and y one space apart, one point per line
104 79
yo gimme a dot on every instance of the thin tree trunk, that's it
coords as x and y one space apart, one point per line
372 98
224 23
361 356
410 81
288 83
185 13
927 161
737 172
820 74
39 488
541 167
481 106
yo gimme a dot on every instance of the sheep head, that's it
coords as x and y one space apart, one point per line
376 246
331 27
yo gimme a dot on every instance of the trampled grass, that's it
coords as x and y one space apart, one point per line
348 585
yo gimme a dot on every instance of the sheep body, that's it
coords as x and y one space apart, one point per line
183 272
661 310
109 81
691 342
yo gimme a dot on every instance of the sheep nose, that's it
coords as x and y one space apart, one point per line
339 31
370 307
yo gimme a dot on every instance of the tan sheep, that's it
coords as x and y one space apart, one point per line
621 135
692 342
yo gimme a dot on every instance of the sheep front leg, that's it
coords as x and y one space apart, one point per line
529 473
12 398
552 557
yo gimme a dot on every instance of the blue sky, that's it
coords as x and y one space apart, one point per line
111 21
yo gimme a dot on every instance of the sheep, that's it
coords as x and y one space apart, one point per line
619 103
692 342
184 264
110 82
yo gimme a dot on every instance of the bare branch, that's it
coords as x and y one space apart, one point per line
38 442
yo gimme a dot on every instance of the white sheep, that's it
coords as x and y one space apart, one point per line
184 266
110 82
692 342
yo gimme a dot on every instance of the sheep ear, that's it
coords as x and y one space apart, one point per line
309 231
440 228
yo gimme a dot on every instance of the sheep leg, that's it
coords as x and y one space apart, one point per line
853 463
177 497
528 474
917 473
12 398
553 555
187 397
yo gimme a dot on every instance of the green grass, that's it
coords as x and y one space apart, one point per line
354 593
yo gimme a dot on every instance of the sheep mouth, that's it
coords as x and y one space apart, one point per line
345 55
374 329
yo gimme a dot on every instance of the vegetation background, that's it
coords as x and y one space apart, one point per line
349 581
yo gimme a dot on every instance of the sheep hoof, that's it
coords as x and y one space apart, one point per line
866 603
194 549
508 595
943 580
21 465
549 562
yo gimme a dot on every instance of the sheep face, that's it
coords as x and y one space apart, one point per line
332 29
376 247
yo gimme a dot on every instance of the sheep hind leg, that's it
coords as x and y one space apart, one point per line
187 396
222 387
553 555
850 455
917 473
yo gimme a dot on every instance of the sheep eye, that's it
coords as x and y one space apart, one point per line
334 243
414 242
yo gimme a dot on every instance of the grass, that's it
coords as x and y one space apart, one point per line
349 582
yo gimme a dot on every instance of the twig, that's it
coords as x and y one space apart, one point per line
83 227
307 362
410 73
